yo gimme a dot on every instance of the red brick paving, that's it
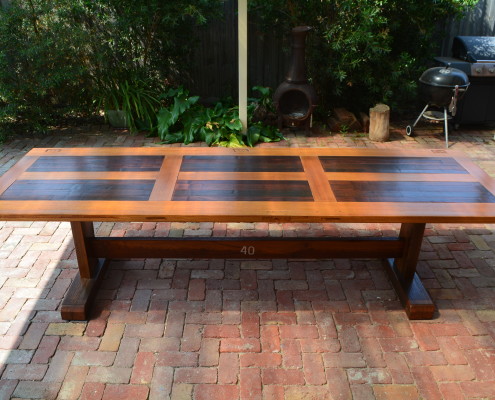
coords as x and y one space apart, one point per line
268 329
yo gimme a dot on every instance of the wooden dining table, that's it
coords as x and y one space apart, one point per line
274 185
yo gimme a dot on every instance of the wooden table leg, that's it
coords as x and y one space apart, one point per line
82 291
402 272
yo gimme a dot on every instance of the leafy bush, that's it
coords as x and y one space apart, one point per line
184 120
363 51
136 99
57 57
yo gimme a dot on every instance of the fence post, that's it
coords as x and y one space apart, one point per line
243 63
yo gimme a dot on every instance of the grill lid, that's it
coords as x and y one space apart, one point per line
474 48
444 77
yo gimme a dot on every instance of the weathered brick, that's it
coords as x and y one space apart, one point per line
144 330
402 344
156 345
278 318
109 375
195 375
451 391
93 358
58 367
177 359
392 392
349 339
425 358
369 376
398 368
142 371
319 345
76 343
372 352
298 332
96 327
126 392
343 360
250 325
28 372
262 360
451 351
191 339
425 383
37 390
270 339
238 345
208 392
174 324
228 368
449 373
161 383
221 331
314 371
66 329
46 349
338 383
33 336
209 352
278 376
197 290
250 384
478 389
73 383
7 387
110 340
291 353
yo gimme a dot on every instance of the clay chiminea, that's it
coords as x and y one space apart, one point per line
295 99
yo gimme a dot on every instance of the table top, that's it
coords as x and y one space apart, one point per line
196 184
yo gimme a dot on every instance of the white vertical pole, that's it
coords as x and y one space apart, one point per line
243 63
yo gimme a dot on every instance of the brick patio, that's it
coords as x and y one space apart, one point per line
229 329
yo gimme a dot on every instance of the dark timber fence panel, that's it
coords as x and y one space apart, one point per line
215 63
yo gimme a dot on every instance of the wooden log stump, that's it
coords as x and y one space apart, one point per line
380 123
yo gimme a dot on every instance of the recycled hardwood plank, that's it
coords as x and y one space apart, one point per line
41 176
93 163
423 192
391 164
246 163
11 175
317 180
240 190
165 182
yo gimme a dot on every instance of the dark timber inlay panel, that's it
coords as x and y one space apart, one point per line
242 164
431 165
138 190
414 192
242 191
97 163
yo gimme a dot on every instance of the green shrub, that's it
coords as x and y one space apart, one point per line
184 120
57 57
364 51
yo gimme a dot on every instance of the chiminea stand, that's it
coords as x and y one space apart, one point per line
295 99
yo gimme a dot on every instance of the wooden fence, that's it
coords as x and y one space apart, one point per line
478 22
214 65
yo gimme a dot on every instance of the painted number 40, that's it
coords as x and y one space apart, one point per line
248 250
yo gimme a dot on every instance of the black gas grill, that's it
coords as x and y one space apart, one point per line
474 55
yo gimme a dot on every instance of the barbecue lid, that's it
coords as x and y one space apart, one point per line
444 77
474 48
